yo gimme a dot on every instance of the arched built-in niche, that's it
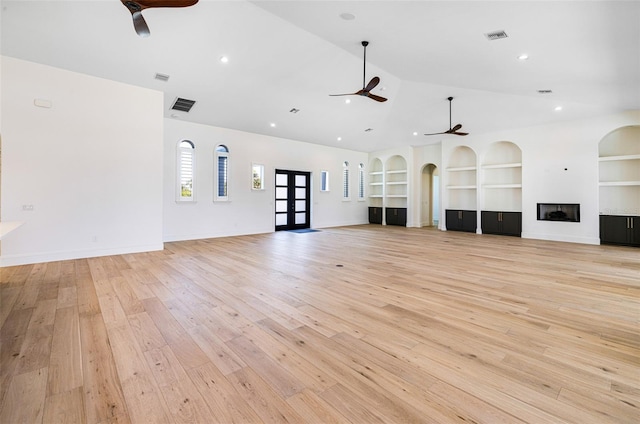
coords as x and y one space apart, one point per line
429 195
376 191
461 213
619 186
395 191
501 197
461 179
502 178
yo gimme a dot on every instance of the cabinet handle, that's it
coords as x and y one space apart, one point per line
631 223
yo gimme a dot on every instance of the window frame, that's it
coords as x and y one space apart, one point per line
255 166
221 151
181 150
324 181
346 186
361 182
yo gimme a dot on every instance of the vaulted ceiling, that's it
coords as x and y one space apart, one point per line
292 54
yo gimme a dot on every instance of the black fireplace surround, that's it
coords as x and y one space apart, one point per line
564 212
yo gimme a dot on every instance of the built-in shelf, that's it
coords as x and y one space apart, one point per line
376 184
503 165
616 158
376 173
376 195
619 183
398 196
396 183
461 187
399 171
502 186
462 168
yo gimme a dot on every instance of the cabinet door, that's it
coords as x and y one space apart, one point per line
613 229
375 215
397 216
634 231
489 222
511 223
453 220
469 221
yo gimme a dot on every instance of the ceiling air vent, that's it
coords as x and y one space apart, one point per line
162 77
545 91
183 105
496 35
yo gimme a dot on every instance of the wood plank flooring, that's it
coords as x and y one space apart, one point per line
363 324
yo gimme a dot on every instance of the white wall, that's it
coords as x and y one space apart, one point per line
546 152
91 165
249 211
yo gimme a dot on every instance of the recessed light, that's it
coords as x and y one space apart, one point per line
347 101
415 133
339 138
523 56
272 125
348 16
558 108
224 59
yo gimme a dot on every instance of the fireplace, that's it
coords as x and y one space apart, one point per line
565 212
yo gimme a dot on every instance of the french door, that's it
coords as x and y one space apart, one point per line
293 200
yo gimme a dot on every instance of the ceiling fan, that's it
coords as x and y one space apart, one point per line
366 90
454 129
136 7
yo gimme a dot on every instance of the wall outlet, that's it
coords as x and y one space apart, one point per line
27 207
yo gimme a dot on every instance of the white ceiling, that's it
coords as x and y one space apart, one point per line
293 54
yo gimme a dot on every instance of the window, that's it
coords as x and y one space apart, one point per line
186 171
221 174
257 177
361 181
324 180
345 180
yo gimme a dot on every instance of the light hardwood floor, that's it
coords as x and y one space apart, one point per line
364 324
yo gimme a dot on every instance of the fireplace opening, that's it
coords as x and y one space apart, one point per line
565 212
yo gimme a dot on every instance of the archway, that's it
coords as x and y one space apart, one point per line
429 196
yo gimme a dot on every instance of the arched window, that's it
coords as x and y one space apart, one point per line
361 181
221 175
345 181
186 166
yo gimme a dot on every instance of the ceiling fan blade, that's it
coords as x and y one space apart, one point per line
376 98
372 84
437 133
460 133
140 25
346 94
456 127
144 4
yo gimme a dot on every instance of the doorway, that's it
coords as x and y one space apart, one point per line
293 200
430 190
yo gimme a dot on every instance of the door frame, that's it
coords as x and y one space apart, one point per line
291 198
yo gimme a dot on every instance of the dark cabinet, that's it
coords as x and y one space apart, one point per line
396 216
616 229
461 220
502 223
375 215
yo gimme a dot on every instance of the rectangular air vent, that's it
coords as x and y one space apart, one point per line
496 35
183 105
545 91
162 77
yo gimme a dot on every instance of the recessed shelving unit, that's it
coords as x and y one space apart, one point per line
501 174
462 179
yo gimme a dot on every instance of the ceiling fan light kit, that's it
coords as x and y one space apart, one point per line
136 7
